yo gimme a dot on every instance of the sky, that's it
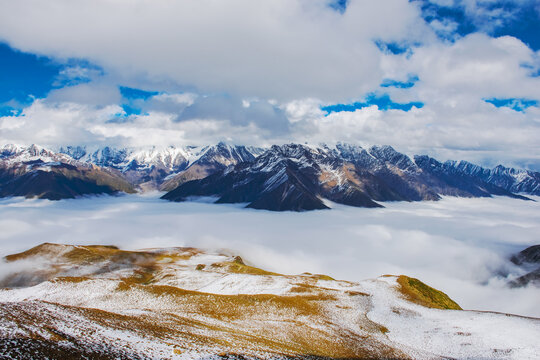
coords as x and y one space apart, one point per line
454 79
458 245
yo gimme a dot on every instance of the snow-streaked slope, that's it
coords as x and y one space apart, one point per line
186 303
169 158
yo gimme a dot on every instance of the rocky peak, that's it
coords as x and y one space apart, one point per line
389 155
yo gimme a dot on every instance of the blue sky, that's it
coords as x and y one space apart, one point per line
497 18
24 75
461 77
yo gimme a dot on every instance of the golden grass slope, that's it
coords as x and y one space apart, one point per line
90 301
422 294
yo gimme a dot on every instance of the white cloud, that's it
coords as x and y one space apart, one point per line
489 15
270 48
184 99
97 93
476 66
53 124
50 123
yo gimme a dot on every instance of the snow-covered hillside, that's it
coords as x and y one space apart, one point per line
186 303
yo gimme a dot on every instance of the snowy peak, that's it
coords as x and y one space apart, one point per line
17 154
355 154
34 171
170 158
388 155
278 156
299 177
224 154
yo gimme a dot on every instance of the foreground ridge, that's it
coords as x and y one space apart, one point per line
185 303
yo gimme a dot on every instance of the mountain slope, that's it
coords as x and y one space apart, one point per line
184 303
449 180
510 179
529 261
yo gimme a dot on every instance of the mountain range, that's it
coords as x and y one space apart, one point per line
288 177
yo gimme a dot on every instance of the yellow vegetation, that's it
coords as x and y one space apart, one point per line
422 294
236 267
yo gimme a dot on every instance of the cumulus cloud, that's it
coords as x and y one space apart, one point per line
476 66
97 93
271 49
460 246
165 119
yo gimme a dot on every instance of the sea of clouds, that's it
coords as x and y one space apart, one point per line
460 246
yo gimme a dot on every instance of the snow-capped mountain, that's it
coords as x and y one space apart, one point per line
285 177
170 158
514 180
302 177
209 160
